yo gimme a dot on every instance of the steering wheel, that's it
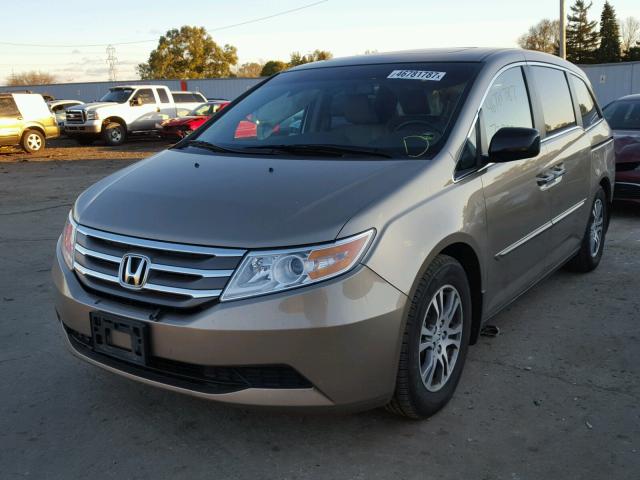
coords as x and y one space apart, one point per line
403 125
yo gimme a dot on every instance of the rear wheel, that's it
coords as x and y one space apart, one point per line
114 133
33 141
435 341
590 253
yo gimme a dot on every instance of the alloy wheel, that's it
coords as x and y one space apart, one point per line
34 142
440 338
596 228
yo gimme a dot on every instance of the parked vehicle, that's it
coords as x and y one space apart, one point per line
347 254
177 128
623 115
126 110
25 120
58 108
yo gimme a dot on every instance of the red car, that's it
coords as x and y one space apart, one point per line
177 128
623 116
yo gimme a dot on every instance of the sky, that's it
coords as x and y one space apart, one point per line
71 36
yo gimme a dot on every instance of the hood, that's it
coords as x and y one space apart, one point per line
183 120
241 202
94 105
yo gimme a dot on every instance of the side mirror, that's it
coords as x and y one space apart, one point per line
514 143
136 102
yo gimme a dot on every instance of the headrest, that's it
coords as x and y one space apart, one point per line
414 101
358 110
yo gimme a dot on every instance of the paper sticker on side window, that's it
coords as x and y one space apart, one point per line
417 75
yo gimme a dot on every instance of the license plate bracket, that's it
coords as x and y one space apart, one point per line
120 337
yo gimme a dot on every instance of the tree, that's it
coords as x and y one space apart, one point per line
272 67
250 70
544 37
582 38
188 53
630 33
609 49
32 77
315 56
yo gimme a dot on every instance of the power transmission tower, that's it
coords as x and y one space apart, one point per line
112 61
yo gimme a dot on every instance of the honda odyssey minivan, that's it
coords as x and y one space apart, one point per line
346 251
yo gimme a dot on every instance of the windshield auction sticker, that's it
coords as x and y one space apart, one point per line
417 75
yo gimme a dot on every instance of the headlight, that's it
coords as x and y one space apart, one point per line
277 270
93 115
69 241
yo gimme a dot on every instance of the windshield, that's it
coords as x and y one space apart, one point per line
399 110
119 95
623 115
204 109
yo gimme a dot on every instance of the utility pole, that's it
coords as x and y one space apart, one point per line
563 32
112 61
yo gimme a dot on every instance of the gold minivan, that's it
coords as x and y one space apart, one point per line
26 120
337 236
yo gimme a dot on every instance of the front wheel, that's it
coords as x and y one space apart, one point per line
33 141
114 133
592 246
435 341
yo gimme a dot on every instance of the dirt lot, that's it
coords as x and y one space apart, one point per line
67 149
555 396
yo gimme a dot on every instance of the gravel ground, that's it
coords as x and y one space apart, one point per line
555 396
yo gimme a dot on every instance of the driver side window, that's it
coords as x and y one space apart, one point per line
145 95
506 105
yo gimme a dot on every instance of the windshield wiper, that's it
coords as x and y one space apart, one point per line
209 146
322 149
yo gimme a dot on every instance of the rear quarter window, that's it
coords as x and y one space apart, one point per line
557 107
586 103
8 107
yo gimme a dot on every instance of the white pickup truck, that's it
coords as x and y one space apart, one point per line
128 109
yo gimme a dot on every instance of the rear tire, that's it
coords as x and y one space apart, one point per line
33 141
435 341
114 133
590 253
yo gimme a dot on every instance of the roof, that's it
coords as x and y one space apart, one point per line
462 54
633 96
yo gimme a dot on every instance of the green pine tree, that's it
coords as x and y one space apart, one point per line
582 37
609 50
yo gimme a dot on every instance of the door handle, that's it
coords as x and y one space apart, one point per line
559 170
545 178
158 109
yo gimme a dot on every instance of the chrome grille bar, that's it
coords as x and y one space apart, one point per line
198 272
150 286
157 245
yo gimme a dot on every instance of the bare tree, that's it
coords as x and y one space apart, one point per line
250 69
544 37
32 77
630 33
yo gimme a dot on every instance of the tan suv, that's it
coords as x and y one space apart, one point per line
338 235
25 120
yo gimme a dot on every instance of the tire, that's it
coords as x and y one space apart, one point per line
84 140
114 133
33 141
413 397
592 246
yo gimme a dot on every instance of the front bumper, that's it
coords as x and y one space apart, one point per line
90 127
343 336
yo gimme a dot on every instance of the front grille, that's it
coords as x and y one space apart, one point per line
201 378
180 275
75 116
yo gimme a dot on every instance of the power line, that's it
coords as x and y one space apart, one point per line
247 22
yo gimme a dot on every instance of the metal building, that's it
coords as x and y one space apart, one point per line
227 88
613 80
